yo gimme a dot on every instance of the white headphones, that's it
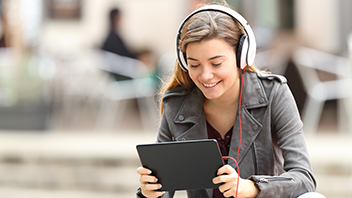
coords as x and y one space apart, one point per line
246 48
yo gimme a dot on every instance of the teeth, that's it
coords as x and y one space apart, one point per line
209 85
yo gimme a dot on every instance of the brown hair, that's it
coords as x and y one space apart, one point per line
203 26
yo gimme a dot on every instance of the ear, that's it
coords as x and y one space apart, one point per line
241 51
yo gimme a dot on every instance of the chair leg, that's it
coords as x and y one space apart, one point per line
148 113
345 115
107 114
311 114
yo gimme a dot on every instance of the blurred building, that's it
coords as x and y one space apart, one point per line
51 81
58 33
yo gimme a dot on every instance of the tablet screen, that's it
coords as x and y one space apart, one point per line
182 165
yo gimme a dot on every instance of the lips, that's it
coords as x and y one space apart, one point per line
210 85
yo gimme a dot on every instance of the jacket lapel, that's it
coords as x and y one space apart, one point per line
250 130
253 96
191 112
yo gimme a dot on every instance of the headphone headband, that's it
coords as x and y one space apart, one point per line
250 51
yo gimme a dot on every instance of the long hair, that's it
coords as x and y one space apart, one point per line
203 26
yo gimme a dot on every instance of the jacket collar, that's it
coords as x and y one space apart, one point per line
192 108
253 94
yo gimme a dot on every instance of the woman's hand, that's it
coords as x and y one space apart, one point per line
228 176
148 185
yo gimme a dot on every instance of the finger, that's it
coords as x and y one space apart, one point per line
151 187
218 180
227 187
143 171
148 178
226 169
149 190
230 193
158 194
153 193
224 172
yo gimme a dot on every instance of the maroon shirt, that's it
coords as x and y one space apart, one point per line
224 145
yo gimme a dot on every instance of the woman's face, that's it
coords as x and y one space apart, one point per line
212 67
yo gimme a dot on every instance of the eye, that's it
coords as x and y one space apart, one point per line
216 64
193 65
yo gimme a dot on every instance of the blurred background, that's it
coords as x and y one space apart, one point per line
79 78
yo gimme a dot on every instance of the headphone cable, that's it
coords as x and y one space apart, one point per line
239 144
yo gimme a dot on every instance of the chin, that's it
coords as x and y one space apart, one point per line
211 96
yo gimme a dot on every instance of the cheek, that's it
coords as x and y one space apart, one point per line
192 75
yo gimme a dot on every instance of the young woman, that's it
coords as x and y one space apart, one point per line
216 92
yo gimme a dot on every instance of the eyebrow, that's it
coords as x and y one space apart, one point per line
212 58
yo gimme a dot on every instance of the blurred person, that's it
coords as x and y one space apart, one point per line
113 42
2 26
149 68
217 93
147 57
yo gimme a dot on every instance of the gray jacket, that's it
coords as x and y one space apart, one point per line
273 151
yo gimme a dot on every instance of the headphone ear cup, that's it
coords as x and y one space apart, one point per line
241 51
182 60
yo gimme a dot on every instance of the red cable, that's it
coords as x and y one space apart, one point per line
238 178
239 145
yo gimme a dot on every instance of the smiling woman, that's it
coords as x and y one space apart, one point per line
215 92
212 67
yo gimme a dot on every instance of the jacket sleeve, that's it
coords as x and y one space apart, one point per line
287 129
164 134
166 195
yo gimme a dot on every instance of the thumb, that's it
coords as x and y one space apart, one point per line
226 169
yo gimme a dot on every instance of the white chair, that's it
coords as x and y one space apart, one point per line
309 62
84 86
77 90
348 102
117 93
122 65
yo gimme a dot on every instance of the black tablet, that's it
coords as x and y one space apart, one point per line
182 165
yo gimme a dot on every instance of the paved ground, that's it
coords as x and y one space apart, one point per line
77 164
332 162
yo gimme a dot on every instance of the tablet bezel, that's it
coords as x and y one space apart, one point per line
182 165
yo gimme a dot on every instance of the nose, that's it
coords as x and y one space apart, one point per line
207 74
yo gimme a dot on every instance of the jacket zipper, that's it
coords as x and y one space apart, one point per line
254 153
269 179
206 193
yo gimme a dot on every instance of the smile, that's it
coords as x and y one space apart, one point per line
210 85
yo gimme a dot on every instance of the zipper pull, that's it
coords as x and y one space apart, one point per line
263 180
